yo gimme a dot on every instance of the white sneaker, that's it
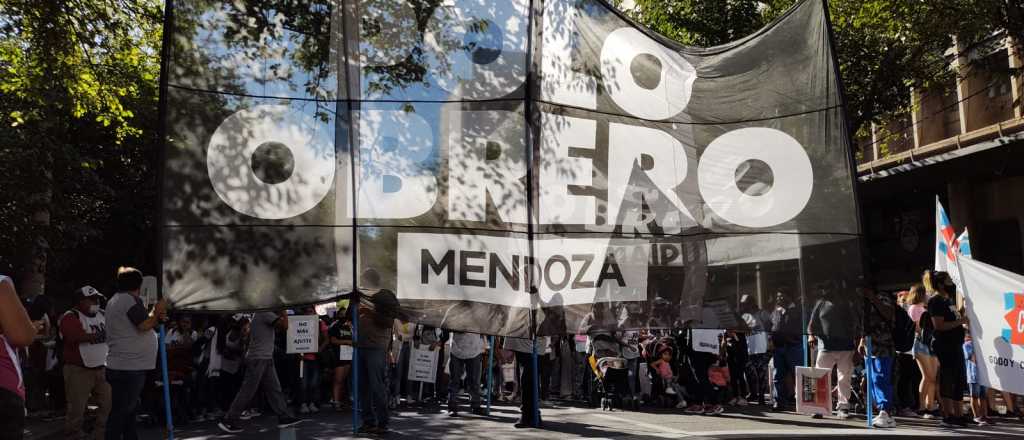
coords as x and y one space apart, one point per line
842 414
733 401
682 404
883 420
742 402
313 408
304 409
670 391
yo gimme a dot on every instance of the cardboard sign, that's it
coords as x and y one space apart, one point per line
303 334
344 352
813 391
706 340
423 365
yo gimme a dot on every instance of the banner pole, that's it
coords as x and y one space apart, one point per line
167 383
490 374
536 386
867 372
354 306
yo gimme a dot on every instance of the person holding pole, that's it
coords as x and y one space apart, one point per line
376 317
879 324
466 355
524 350
132 345
261 374
947 323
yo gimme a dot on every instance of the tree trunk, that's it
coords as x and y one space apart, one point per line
33 273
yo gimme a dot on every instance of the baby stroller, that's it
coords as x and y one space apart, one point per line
662 394
610 372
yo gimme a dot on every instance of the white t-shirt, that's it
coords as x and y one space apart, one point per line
93 355
466 345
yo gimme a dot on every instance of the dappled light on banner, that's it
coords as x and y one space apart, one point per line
513 168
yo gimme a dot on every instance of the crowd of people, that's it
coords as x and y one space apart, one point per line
911 351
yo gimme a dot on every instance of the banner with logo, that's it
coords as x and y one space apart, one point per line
506 167
995 306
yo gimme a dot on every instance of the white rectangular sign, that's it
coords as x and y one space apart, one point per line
813 391
345 352
303 334
706 341
494 270
423 365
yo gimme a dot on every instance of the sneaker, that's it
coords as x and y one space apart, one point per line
842 414
304 409
313 408
742 402
817 416
670 391
733 401
980 421
906 412
883 420
925 415
695 409
229 427
248 414
284 422
453 413
714 410
681 404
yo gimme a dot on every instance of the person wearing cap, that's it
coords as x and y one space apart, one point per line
83 330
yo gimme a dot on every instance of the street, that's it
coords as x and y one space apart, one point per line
575 422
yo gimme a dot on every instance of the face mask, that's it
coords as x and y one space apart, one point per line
94 309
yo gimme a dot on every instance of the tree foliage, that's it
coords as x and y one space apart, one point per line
78 94
884 47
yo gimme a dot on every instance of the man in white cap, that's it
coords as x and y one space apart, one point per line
83 330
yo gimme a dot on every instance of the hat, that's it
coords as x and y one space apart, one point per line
88 292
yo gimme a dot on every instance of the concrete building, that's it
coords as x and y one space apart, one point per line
964 143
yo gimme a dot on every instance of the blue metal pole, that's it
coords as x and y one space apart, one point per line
490 374
867 372
536 386
167 383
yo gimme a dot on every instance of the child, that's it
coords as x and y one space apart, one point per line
663 365
718 376
979 394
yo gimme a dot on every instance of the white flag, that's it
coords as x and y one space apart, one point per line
995 306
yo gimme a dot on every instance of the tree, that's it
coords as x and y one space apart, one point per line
77 112
884 47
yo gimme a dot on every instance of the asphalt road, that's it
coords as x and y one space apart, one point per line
574 422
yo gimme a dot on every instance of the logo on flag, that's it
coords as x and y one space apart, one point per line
1013 303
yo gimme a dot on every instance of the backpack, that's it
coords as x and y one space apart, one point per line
903 329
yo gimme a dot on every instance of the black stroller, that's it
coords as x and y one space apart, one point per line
610 373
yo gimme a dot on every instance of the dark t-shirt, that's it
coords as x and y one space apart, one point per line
833 323
786 329
949 340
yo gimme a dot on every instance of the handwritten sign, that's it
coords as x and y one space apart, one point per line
344 352
423 365
303 334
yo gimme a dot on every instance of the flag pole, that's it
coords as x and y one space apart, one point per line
490 373
167 383
867 372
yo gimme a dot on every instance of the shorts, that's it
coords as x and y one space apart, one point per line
977 390
922 348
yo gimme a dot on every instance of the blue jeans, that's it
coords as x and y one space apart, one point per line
373 392
786 360
125 390
881 382
309 389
